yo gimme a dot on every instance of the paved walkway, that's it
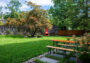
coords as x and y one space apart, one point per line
48 60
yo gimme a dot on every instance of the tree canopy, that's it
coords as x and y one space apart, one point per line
14 8
34 21
70 14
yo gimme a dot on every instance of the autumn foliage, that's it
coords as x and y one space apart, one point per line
34 21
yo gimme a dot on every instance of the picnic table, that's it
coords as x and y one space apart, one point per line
67 46
55 42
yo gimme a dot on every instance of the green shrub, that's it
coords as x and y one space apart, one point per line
8 31
83 54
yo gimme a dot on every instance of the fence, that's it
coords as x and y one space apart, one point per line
70 32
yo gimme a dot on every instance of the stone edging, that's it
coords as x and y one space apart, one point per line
38 57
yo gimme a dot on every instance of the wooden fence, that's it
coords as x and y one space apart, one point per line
70 32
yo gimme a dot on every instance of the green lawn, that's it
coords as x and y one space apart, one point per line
16 49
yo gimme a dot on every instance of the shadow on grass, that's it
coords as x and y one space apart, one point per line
12 36
19 52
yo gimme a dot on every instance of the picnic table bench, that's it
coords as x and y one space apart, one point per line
59 48
68 45
64 43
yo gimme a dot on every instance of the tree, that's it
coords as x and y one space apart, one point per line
34 21
13 6
84 18
16 22
62 13
0 10
70 13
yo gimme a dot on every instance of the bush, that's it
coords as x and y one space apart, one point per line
83 54
8 31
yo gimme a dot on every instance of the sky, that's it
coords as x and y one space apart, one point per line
44 3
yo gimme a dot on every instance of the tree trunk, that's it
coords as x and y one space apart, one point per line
33 33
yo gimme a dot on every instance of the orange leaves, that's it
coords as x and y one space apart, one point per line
22 20
10 21
33 5
14 22
37 19
33 21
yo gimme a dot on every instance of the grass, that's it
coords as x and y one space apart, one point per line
17 49
65 60
52 57
39 61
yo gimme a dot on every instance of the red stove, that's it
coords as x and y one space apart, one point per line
46 33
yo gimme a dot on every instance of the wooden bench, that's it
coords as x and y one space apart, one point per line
66 41
60 48
67 45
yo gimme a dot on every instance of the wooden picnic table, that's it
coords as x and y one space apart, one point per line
55 42
71 38
64 41
67 46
